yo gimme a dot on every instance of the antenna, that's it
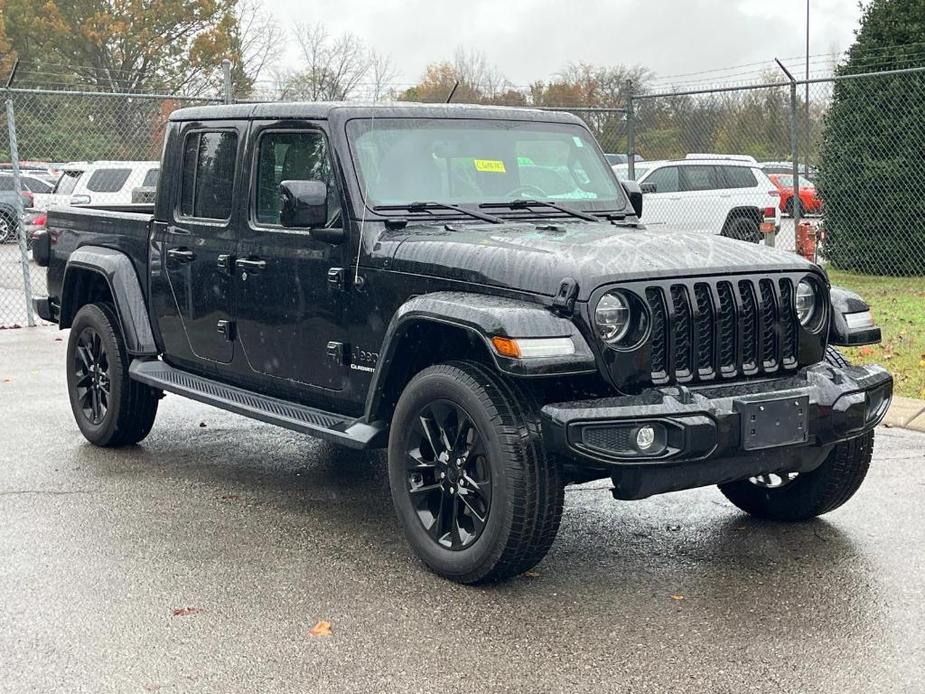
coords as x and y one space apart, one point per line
452 92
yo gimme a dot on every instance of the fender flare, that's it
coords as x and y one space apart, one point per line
846 301
116 269
485 317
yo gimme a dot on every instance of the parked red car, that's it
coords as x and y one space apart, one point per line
810 203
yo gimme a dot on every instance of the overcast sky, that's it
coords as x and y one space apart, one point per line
533 39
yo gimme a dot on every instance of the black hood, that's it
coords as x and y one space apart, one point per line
531 258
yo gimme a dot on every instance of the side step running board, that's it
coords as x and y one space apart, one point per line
308 420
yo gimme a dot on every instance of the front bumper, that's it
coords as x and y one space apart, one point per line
719 433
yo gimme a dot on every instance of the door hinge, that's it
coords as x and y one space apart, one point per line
337 277
338 352
226 328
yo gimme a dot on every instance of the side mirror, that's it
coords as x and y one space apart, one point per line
303 204
634 193
648 188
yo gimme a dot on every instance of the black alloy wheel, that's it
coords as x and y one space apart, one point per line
91 369
448 475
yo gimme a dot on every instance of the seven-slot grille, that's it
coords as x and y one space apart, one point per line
712 329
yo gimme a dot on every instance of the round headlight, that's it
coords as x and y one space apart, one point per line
807 302
612 317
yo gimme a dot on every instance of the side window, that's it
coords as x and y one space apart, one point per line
291 156
695 178
739 177
108 180
665 180
208 174
151 178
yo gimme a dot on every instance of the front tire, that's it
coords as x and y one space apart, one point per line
799 497
476 495
110 409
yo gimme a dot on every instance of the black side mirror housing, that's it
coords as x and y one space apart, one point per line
648 188
634 193
303 204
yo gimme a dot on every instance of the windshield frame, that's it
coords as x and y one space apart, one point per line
373 210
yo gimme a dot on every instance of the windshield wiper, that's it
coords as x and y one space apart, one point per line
526 204
424 206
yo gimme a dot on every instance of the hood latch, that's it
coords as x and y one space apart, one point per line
564 301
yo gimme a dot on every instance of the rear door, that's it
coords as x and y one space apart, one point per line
197 243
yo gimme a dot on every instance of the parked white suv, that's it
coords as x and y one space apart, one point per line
112 182
709 193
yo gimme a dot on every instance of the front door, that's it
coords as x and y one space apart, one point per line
288 311
196 246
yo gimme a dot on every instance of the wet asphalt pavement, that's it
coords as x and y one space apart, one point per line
264 533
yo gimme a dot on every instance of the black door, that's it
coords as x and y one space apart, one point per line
287 311
196 248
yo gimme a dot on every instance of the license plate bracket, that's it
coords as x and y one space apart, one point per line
771 422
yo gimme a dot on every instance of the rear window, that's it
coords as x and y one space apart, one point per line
208 174
36 185
108 180
739 177
694 178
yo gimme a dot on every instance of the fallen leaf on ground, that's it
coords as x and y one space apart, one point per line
677 597
866 351
185 611
322 628
530 574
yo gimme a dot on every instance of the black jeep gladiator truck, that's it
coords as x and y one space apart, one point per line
472 289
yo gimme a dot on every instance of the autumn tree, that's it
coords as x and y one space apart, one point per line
478 81
138 45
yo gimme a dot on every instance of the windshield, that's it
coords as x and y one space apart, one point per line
67 182
470 162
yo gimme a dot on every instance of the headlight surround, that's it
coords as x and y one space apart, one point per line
807 303
620 319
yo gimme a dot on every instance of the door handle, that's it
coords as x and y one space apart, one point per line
251 264
181 255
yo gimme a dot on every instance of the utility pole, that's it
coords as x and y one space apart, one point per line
806 99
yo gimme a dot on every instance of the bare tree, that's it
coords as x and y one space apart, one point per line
260 37
382 73
334 66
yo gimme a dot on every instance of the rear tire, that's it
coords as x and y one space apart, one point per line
743 229
808 494
483 503
110 408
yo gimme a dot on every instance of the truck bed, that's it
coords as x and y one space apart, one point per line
121 227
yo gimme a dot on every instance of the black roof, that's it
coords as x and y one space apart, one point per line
318 110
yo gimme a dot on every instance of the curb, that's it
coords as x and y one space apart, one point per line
906 413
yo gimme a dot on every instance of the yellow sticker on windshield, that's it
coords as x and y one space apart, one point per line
490 165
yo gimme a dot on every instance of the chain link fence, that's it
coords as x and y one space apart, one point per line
73 148
714 161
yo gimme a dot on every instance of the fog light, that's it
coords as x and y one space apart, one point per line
645 438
